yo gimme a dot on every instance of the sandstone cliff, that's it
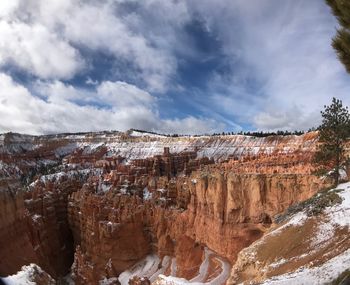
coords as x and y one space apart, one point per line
101 203
225 212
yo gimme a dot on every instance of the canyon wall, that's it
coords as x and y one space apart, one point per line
15 238
225 212
98 203
34 227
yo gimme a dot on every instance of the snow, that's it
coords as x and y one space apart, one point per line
143 145
145 268
138 145
297 220
200 278
278 263
219 280
145 134
23 277
325 232
70 174
340 213
342 174
165 263
36 217
333 218
65 150
146 194
224 275
316 275
103 186
203 268
149 267
173 267
92 148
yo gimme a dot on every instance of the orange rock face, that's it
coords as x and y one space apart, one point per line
34 228
14 231
225 212
99 212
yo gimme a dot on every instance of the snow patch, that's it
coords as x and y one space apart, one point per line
23 277
316 275
146 194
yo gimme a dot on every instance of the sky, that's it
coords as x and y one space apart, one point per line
175 66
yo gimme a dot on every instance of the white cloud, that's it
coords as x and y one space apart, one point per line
290 119
55 110
7 7
123 95
283 66
114 95
191 125
41 36
36 50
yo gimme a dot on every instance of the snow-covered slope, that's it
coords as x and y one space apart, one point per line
312 247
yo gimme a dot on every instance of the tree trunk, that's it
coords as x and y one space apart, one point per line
337 167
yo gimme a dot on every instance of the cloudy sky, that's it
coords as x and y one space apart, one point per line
176 66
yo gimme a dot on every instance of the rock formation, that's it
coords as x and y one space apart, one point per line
99 203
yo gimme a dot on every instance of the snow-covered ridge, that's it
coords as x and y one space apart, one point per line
136 145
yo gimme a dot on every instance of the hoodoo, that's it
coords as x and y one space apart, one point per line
119 207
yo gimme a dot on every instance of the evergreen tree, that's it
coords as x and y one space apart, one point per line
341 42
333 133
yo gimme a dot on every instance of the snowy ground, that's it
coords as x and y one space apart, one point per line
334 218
316 275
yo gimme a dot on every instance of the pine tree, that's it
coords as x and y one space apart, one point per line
341 42
333 133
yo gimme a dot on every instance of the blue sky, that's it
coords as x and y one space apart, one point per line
168 66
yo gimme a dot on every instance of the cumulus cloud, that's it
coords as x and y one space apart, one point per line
113 95
279 67
36 50
123 95
42 37
55 108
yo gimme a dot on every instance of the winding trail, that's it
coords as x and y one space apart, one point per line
153 268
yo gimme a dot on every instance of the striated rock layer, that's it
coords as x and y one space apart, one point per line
225 212
98 203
